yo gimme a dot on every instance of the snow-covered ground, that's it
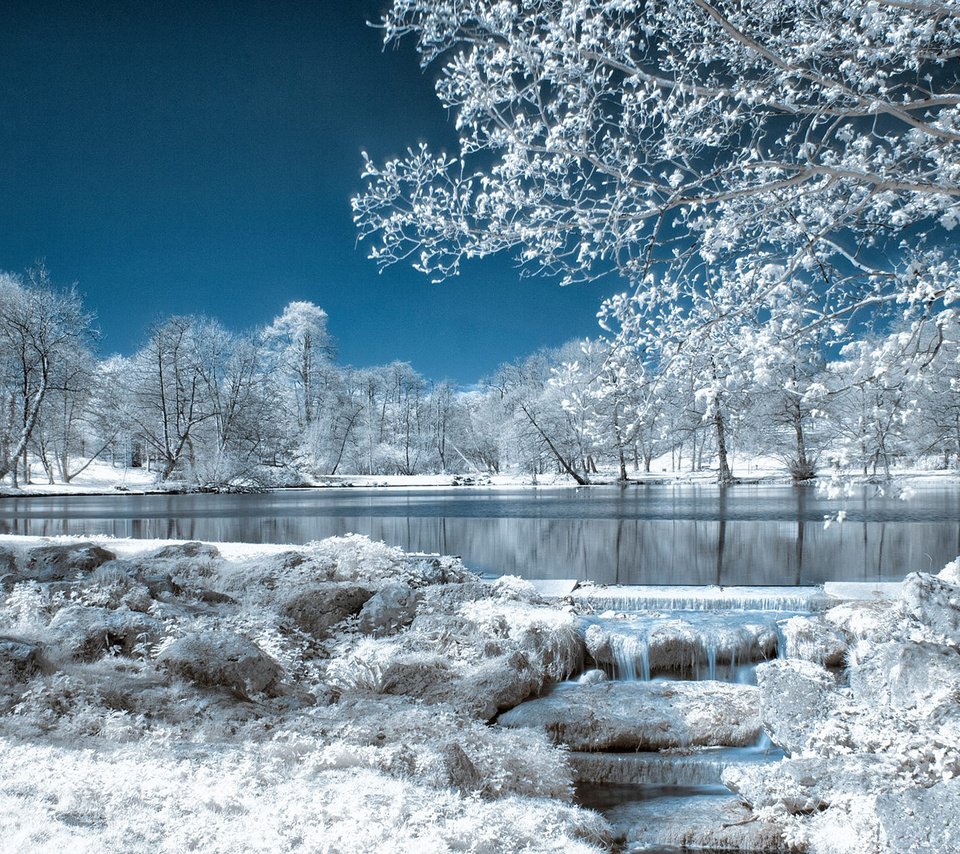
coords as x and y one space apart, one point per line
169 696
97 478
101 478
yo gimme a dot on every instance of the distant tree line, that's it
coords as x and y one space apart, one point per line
204 406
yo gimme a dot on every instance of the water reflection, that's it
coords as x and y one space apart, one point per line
641 535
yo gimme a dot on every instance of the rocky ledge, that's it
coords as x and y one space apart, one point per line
643 715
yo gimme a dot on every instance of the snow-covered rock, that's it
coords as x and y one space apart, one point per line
921 821
814 639
810 783
317 610
391 608
480 690
878 621
62 562
223 660
643 715
592 677
906 675
180 551
933 602
795 696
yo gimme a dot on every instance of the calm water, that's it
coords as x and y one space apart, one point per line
746 534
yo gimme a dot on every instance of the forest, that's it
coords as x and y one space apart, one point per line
203 406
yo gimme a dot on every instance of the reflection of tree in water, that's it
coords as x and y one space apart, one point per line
721 532
738 535
801 492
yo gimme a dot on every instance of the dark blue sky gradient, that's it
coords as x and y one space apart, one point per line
199 157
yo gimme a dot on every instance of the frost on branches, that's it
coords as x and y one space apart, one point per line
659 142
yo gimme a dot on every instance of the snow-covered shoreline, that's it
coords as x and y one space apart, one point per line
161 695
102 479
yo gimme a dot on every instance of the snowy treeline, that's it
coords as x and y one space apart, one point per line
201 404
770 179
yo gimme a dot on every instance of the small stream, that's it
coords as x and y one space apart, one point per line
650 796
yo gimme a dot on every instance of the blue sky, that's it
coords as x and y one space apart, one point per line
200 157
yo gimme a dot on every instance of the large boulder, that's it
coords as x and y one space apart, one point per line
392 608
317 610
498 684
906 675
921 821
643 715
19 659
62 562
814 639
934 602
223 660
86 633
478 690
795 698
812 783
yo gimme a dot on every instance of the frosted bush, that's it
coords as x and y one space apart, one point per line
515 587
142 798
29 607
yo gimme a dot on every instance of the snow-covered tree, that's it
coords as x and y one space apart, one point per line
618 136
301 345
42 330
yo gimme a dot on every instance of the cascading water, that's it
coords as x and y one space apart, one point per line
692 645
694 635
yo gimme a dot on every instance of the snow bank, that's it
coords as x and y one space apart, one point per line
176 696
875 745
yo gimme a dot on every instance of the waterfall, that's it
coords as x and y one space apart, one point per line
689 598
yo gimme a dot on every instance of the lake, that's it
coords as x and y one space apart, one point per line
743 534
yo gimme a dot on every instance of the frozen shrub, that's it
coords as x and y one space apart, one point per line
29 607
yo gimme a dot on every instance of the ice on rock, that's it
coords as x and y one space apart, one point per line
643 715
698 598
795 697
700 767
713 821
639 647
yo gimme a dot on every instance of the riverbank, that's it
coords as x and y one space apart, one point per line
101 478
227 699
162 696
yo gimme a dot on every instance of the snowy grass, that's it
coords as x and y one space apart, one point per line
112 752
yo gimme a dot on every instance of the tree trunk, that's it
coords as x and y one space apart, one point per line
561 462
802 468
724 476
6 466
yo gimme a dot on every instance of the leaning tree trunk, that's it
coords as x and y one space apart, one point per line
561 461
